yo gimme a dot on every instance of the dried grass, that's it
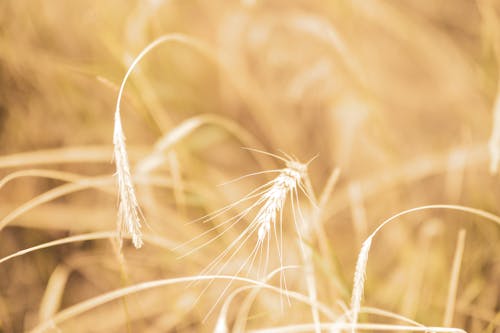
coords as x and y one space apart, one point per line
383 91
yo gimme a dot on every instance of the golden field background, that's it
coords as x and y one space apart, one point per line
399 95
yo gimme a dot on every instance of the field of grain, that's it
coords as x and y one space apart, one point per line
264 166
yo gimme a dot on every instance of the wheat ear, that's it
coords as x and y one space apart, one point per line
128 209
359 281
129 220
129 217
359 274
271 198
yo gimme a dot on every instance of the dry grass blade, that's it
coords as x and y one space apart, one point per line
88 154
187 127
455 273
494 143
492 25
89 304
156 240
83 184
52 174
360 327
52 297
221 324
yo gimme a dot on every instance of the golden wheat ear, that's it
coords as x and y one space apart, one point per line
267 222
129 215
128 210
129 220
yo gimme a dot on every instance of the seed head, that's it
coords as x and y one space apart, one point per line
274 199
128 211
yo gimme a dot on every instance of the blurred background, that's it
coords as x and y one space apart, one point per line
397 94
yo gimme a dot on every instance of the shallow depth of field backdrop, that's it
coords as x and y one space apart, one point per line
397 96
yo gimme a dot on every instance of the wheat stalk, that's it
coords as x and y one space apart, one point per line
91 303
362 261
129 220
494 142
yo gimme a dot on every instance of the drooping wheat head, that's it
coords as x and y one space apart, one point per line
128 209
